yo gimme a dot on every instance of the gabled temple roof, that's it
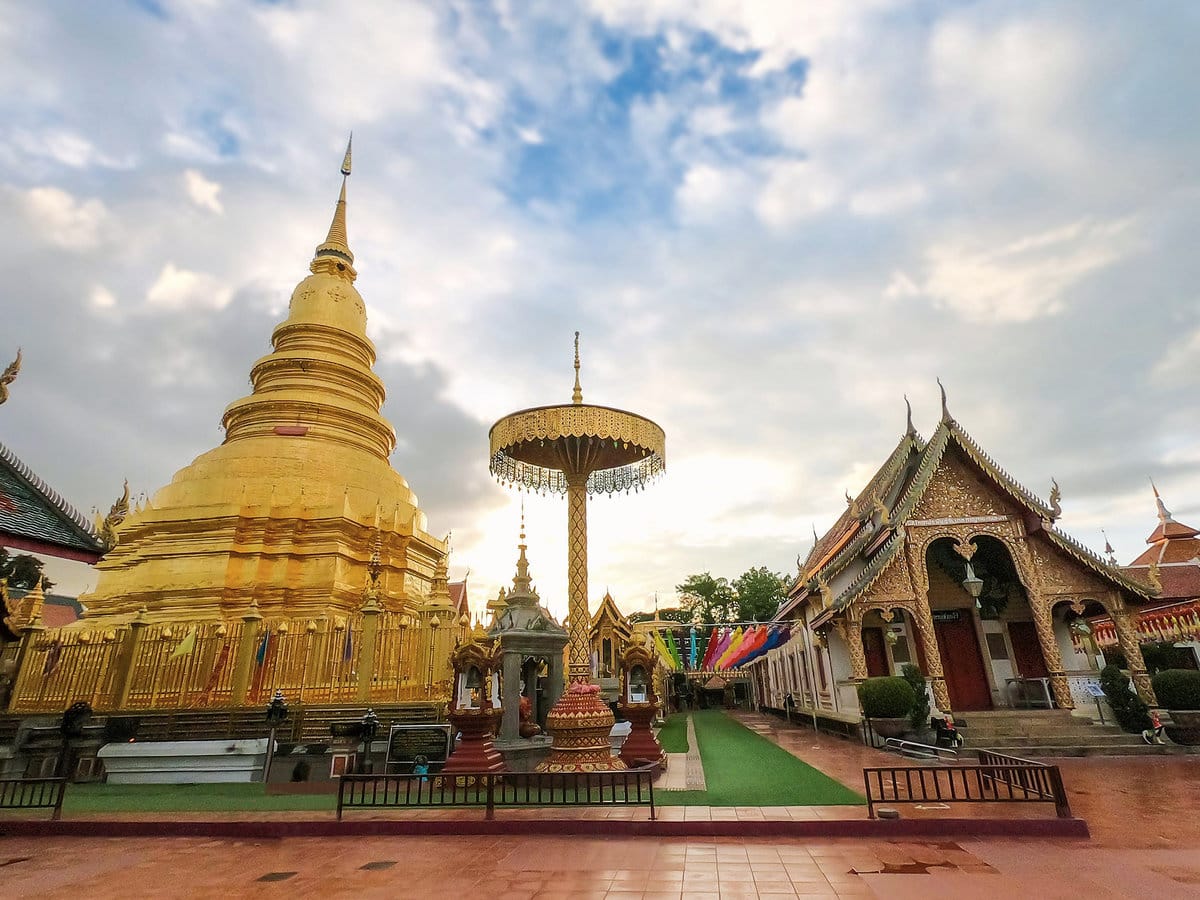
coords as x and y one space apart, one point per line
608 610
36 518
1175 551
871 529
458 596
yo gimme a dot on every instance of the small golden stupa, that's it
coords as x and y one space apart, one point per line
288 509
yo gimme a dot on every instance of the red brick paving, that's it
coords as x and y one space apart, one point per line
1146 843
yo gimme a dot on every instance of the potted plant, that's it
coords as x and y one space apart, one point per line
887 702
1178 692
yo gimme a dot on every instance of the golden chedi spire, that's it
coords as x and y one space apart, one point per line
287 509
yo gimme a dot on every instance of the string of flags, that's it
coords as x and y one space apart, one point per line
718 647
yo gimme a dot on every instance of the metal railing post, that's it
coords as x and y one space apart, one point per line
491 797
1062 805
58 801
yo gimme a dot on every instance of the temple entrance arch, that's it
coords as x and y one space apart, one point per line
952 567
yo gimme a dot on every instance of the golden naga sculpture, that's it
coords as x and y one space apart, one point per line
107 527
1152 576
9 376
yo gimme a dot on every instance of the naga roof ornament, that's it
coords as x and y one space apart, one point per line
9 376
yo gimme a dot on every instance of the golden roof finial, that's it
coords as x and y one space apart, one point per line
336 243
1164 514
946 417
910 429
14 368
577 394
1108 549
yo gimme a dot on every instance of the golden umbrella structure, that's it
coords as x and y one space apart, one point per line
578 449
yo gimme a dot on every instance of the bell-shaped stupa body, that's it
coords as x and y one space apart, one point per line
289 507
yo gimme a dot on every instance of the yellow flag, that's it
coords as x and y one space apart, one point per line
661 646
186 646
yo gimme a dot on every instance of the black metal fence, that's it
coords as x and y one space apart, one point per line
33 793
631 787
998 778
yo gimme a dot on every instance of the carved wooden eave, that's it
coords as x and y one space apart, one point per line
831 554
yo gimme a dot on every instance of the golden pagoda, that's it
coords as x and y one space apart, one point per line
287 510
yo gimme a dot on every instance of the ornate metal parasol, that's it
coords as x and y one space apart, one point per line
578 449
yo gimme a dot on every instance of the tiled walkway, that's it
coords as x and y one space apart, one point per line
522 868
1146 843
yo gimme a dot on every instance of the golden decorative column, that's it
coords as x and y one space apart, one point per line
922 617
245 655
1043 620
1127 637
127 658
578 449
850 628
577 578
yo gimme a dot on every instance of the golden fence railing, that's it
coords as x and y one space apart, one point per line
62 667
182 665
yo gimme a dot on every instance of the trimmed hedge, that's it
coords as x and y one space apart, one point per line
1132 713
890 697
1177 689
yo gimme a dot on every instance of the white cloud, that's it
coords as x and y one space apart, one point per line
1026 278
65 221
202 192
177 288
708 193
793 191
102 298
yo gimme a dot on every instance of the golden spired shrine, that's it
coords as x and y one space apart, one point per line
578 449
292 556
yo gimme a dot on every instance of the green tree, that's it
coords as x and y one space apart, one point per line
707 599
672 614
22 571
759 593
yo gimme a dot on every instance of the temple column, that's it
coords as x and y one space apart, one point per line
577 577
1127 637
554 686
127 661
366 650
922 616
245 654
850 628
510 697
1043 621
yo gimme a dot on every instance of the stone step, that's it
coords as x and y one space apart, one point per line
1071 741
1138 749
1067 740
1083 731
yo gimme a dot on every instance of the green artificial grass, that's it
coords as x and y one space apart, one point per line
742 768
92 798
673 736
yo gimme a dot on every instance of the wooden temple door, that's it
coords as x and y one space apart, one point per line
877 660
962 663
1027 650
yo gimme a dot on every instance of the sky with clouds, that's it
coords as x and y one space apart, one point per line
769 220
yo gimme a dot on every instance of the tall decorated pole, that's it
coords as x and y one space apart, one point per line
578 449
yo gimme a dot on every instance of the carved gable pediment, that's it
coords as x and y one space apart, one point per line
1059 574
957 490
